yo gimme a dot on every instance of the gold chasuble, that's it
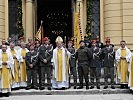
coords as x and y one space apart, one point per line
23 67
5 73
131 76
123 67
16 68
59 55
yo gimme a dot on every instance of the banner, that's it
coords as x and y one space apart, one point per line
77 35
39 34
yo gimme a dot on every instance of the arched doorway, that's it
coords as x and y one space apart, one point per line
57 18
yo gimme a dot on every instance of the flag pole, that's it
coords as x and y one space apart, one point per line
42 35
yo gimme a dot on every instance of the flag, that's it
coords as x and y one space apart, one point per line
39 34
77 35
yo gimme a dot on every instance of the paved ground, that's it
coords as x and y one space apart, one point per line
72 97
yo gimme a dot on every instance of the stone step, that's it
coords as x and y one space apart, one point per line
70 91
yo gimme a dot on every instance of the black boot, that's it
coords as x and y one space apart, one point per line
75 85
92 87
98 87
87 86
28 87
49 88
112 86
80 86
105 87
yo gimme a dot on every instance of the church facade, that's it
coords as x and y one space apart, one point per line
112 18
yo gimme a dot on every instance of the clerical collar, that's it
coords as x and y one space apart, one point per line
123 48
3 52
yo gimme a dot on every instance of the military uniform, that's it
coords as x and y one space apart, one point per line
94 67
72 62
83 55
31 58
108 56
45 52
39 68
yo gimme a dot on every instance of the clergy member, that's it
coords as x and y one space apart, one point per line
23 75
16 58
61 67
6 71
130 69
123 59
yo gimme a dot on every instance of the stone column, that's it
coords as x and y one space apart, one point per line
29 19
24 15
2 19
101 21
6 20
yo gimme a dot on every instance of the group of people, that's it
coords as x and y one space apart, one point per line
29 65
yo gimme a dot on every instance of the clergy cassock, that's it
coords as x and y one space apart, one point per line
23 74
61 68
16 58
6 72
123 64
130 69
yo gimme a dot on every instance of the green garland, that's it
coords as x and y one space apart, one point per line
19 18
89 19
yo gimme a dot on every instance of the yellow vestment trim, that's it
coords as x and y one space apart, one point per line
23 66
5 73
123 67
59 59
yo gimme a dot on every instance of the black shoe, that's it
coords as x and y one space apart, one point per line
1 94
91 87
7 94
41 88
28 87
49 88
105 87
112 87
87 87
80 87
74 87
126 86
63 88
35 87
98 87
122 86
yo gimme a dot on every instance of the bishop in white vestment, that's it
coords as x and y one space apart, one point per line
61 66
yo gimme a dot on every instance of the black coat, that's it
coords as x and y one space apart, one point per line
83 55
72 60
108 56
96 54
45 53
31 58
